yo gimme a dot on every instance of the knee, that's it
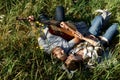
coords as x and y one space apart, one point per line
114 26
97 21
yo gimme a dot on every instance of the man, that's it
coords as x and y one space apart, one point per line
85 50
47 41
51 41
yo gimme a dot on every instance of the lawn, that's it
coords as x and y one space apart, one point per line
20 55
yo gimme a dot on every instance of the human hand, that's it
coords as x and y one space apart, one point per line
78 34
31 18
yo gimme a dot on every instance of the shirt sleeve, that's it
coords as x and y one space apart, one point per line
43 44
43 39
71 43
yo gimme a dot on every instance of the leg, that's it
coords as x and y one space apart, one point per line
105 14
82 27
99 22
95 29
59 14
111 31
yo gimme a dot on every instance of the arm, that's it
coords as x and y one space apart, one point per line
94 43
77 34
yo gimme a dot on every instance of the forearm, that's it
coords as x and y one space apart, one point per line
92 42
76 40
73 42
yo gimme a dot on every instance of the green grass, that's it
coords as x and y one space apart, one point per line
20 56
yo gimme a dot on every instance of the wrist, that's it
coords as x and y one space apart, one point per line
76 40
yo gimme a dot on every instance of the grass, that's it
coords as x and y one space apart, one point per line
20 56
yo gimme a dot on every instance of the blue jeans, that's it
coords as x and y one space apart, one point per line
97 25
110 32
95 29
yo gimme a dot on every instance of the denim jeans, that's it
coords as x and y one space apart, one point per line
110 32
97 25
95 29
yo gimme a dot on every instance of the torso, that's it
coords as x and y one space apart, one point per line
87 51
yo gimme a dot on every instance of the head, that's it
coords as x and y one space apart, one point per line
59 53
73 62
73 65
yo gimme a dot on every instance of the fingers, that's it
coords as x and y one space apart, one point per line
31 18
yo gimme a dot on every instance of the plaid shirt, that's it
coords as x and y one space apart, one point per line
90 52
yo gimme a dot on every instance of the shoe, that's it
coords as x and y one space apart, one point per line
42 17
104 41
104 13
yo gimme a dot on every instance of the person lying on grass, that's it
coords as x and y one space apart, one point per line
47 41
86 51
88 54
59 47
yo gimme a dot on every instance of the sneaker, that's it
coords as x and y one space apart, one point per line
104 13
104 41
103 38
43 17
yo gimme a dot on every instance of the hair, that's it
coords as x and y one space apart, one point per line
52 51
74 65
